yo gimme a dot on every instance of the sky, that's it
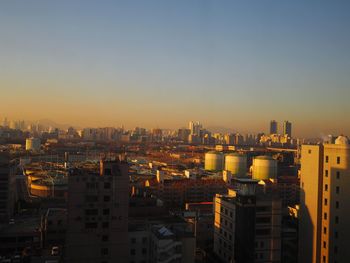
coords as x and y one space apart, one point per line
232 64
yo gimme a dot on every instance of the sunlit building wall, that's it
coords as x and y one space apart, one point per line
325 209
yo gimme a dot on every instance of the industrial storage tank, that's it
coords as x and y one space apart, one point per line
236 164
264 167
214 161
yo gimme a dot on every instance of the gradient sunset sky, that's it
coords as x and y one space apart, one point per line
235 64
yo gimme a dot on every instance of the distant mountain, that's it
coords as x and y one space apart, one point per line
48 122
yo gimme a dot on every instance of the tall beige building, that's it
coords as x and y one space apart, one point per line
324 231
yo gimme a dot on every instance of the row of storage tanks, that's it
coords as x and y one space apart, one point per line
264 167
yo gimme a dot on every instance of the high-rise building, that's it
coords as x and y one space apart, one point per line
287 128
33 144
7 187
98 214
273 127
324 229
195 127
247 225
183 134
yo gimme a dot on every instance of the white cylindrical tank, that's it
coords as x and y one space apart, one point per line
236 164
214 161
264 167
33 144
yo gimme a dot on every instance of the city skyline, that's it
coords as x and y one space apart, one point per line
157 64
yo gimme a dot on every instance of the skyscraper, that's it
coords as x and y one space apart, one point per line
287 128
98 214
273 127
324 202
195 127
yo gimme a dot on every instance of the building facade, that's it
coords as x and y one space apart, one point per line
247 225
324 210
98 214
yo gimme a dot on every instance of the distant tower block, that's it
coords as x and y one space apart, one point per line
287 128
33 144
273 127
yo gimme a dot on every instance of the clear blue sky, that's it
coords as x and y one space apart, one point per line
235 64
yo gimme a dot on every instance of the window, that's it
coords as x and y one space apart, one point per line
106 211
91 198
337 189
325 230
90 225
326 173
105 225
338 160
263 232
104 251
144 251
325 216
324 244
325 201
336 204
263 208
133 240
144 240
105 238
335 234
338 175
108 171
106 198
107 185
309 151
261 244
336 219
132 252
327 159
231 214
263 220
335 249
91 212
326 187
324 259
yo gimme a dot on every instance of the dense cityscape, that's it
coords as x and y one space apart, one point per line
189 195
179 131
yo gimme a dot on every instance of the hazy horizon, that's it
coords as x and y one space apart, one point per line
161 64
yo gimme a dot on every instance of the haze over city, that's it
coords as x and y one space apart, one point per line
159 64
180 131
